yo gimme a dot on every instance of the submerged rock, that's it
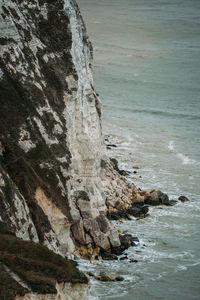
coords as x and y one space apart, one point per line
132 260
114 164
172 202
108 256
124 257
183 199
111 145
124 172
137 211
108 277
104 277
135 239
119 278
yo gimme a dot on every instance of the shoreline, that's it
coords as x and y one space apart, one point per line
142 201
60 189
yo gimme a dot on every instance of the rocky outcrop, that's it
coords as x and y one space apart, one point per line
119 192
56 183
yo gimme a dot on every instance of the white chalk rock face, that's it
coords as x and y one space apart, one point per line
51 145
65 291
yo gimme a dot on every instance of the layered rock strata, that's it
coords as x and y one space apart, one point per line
55 179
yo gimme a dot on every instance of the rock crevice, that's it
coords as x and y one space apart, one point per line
56 190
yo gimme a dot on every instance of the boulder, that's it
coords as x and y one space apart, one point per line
103 223
124 257
138 198
104 277
145 209
126 241
156 198
101 240
138 211
118 251
111 145
114 164
114 239
120 214
90 225
172 202
113 216
119 278
132 260
183 199
124 173
78 232
108 256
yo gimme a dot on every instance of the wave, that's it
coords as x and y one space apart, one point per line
166 113
186 160
171 146
171 114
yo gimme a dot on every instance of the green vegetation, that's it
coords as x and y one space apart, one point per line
9 288
36 265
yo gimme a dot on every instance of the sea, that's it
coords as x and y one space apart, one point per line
147 73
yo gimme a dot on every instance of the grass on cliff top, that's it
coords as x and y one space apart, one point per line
39 267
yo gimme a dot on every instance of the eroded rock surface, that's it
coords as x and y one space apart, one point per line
53 188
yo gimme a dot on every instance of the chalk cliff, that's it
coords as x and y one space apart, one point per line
55 179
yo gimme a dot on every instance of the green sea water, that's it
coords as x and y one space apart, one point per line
147 72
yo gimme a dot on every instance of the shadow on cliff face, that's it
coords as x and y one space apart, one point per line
28 83
48 106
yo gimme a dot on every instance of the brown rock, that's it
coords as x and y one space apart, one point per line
103 223
78 232
108 256
183 199
104 277
156 198
172 202
100 239
90 225
126 241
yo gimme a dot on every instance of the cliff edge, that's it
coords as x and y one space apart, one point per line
56 183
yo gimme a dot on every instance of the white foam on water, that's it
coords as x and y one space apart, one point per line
186 160
182 268
171 145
